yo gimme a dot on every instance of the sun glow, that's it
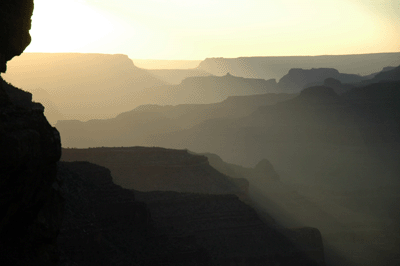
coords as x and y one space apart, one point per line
69 26
177 29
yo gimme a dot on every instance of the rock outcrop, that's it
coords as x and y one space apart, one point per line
15 23
31 207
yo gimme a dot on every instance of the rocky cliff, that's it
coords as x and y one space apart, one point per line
30 204
15 23
31 207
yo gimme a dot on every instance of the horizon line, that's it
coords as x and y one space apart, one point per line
255 56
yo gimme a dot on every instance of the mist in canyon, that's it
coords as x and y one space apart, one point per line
307 140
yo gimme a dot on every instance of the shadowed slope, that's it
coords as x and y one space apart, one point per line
136 127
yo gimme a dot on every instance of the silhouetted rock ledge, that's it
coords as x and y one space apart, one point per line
30 204
15 23
31 207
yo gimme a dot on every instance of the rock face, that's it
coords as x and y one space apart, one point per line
31 207
15 23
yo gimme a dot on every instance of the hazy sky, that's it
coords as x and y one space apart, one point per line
196 29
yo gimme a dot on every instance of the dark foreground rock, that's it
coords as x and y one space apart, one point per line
31 207
15 23
30 204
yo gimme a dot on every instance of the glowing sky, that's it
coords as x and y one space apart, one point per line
196 29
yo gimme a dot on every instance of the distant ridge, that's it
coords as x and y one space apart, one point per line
206 89
176 76
268 67
166 64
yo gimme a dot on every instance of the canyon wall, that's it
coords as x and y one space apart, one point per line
31 207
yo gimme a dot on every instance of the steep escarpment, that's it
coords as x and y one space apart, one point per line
30 204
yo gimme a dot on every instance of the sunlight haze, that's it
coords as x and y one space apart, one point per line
195 30
200 132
